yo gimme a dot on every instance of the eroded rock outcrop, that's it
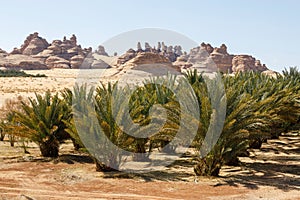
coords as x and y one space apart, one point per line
126 57
63 52
2 51
149 58
146 64
241 63
182 62
207 58
101 51
222 59
204 58
37 53
33 45
57 62
22 58
19 61
169 52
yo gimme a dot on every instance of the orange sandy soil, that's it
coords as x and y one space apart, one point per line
270 173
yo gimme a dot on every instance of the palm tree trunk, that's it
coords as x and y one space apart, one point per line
100 167
49 148
206 167
140 150
2 136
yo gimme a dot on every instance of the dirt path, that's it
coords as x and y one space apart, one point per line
270 173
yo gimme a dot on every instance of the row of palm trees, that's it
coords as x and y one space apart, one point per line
235 113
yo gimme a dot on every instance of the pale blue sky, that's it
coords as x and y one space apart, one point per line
266 29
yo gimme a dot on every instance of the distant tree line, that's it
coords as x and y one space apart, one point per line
18 73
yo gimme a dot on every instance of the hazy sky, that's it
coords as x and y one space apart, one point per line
266 29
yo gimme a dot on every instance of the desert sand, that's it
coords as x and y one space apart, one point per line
269 173
56 80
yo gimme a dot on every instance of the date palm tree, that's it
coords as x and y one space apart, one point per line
41 121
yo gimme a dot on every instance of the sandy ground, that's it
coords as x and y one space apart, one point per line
269 173
58 79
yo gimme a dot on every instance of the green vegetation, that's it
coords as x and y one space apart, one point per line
256 107
41 121
17 73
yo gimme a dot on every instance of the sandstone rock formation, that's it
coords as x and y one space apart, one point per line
101 51
182 62
2 52
57 62
204 58
209 49
271 73
199 58
76 61
65 49
149 58
169 52
33 45
126 57
207 58
146 64
241 63
22 62
222 59
37 53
